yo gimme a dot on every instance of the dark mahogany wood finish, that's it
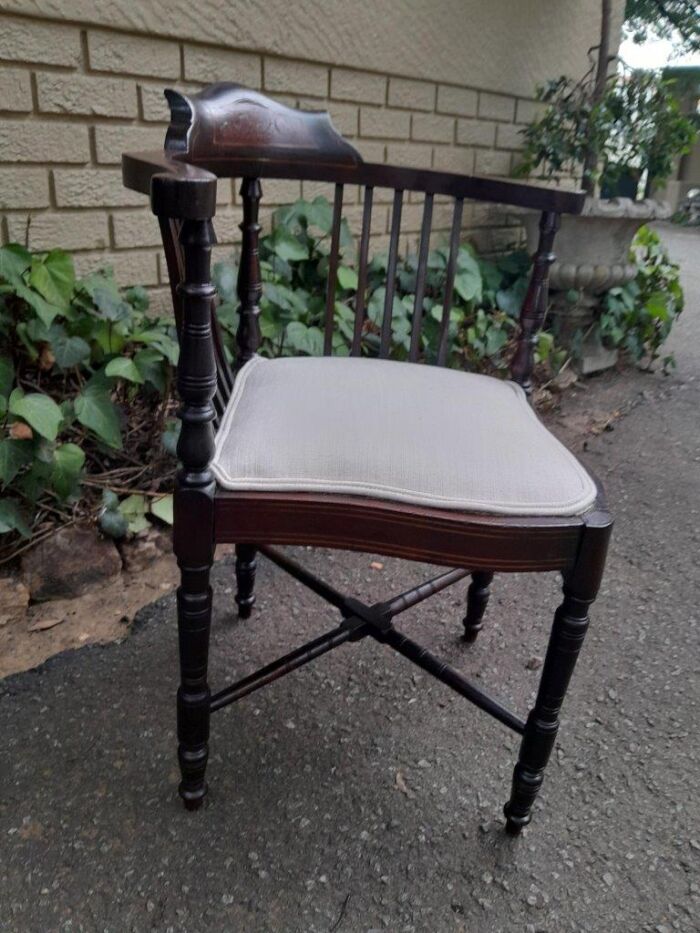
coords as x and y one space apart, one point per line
231 132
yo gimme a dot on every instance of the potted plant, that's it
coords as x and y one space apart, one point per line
603 131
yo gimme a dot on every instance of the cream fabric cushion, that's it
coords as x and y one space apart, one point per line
400 431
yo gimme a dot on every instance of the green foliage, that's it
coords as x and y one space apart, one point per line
678 20
485 304
636 126
130 516
638 317
75 354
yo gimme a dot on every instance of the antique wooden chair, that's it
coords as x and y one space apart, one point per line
414 461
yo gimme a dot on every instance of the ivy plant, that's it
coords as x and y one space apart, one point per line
638 317
75 354
486 300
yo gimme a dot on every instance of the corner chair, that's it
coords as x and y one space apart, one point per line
418 461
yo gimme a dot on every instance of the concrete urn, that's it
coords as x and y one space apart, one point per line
592 256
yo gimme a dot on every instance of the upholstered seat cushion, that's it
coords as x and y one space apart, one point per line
399 431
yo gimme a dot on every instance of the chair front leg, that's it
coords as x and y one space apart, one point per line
477 600
194 599
246 566
568 631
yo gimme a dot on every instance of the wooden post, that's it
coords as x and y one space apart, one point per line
193 537
535 304
249 280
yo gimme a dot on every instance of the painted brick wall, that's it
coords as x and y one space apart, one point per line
74 96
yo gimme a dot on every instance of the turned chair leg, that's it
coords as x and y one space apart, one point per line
477 600
194 599
566 639
246 565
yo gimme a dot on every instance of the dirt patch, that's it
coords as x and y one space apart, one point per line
102 614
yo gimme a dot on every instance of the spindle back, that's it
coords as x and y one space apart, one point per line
227 131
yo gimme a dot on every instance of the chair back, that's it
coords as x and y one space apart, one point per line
228 131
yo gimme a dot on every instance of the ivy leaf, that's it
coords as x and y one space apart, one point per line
133 508
162 508
285 245
152 367
137 297
68 351
320 214
40 412
347 278
14 455
305 339
109 303
7 375
160 341
511 299
123 367
95 410
468 285
69 460
113 524
53 277
14 262
12 518
45 311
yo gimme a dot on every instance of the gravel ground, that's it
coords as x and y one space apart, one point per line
360 795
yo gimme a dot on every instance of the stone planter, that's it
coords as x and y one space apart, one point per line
592 252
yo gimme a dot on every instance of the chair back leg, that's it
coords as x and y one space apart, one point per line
246 566
477 600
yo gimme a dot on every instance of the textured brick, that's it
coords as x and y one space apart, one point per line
378 223
528 110
93 188
15 90
457 100
160 299
414 154
278 191
135 228
483 213
432 128
492 240
489 162
207 64
509 136
34 141
369 150
296 77
24 187
413 95
79 230
384 124
496 106
130 268
106 97
226 225
112 141
358 85
345 118
475 133
111 51
326 189
447 159
26 40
